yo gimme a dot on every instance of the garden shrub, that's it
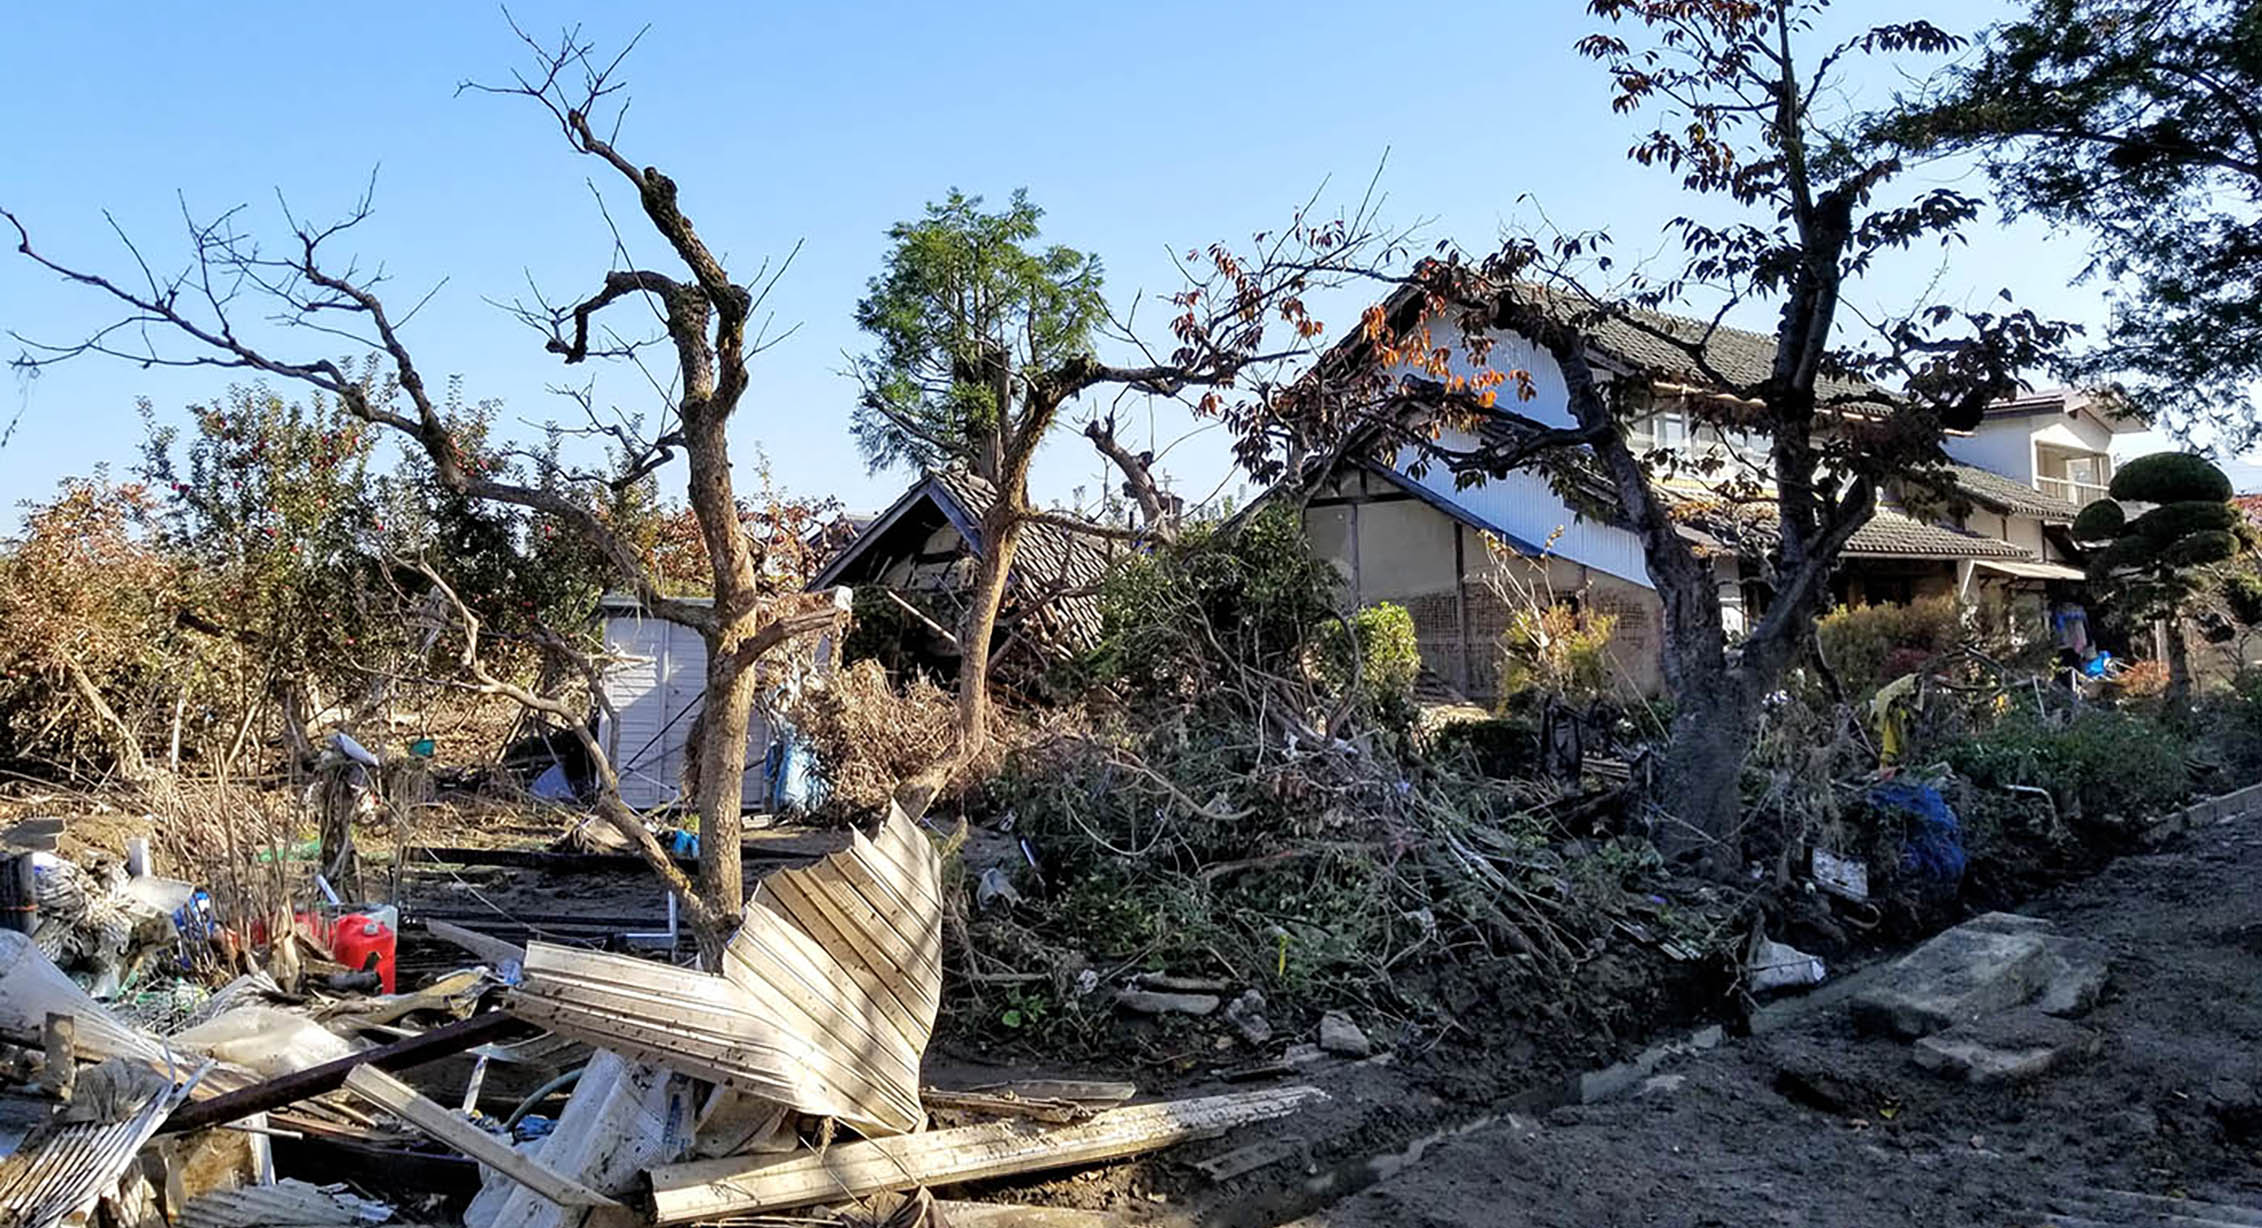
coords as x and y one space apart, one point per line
1870 645
2106 761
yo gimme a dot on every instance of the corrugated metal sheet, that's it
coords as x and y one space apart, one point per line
289 1203
826 998
68 1170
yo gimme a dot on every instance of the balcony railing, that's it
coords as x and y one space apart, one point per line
2080 494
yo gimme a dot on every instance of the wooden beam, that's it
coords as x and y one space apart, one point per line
440 1042
405 1102
707 1189
1461 609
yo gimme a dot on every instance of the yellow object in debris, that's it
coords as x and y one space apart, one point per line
1895 703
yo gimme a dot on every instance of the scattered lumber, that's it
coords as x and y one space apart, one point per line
706 1189
825 1001
1006 1105
405 1102
440 1042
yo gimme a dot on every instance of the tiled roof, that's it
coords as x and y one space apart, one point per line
1890 533
1743 357
2004 494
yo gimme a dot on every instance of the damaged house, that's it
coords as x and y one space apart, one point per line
1991 523
919 556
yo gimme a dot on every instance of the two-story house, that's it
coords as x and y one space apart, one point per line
1408 536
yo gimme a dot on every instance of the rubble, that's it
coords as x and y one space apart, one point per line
716 1092
1987 965
1156 1002
1338 1035
2007 1047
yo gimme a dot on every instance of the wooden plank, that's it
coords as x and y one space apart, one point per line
403 1101
330 1076
705 1189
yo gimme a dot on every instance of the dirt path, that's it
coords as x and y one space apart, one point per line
1856 1133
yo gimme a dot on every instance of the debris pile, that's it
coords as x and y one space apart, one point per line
306 1091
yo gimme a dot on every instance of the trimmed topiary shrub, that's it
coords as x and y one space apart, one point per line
2170 477
2100 521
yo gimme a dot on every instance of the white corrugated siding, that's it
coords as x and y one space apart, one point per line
656 682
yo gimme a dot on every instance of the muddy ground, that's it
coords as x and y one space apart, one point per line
1807 1122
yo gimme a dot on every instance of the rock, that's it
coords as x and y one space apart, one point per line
1150 1002
1247 1015
2078 971
1339 1035
1657 1087
1958 976
2007 1047
1302 1053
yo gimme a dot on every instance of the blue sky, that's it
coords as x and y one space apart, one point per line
1140 128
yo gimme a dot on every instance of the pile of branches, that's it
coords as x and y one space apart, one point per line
1247 804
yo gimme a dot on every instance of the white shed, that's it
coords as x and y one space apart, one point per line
655 682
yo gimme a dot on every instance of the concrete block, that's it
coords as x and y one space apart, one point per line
1958 976
2008 1047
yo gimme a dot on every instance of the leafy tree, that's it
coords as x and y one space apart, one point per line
968 302
274 505
2158 560
1750 113
984 336
2140 121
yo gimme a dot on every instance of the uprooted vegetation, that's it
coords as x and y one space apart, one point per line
1245 801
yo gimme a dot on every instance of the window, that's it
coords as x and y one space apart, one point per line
1665 428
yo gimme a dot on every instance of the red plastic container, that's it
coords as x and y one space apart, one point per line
363 942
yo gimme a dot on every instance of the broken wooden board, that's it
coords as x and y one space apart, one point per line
825 1001
704 1189
403 1101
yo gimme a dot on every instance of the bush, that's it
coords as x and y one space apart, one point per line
2104 761
2100 521
1390 659
1556 651
2170 477
1870 645
1191 614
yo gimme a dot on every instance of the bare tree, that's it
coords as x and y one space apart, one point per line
200 316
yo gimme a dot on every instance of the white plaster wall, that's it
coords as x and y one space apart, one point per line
2004 446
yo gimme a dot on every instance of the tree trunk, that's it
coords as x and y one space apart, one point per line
2178 651
1699 781
1001 539
718 784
